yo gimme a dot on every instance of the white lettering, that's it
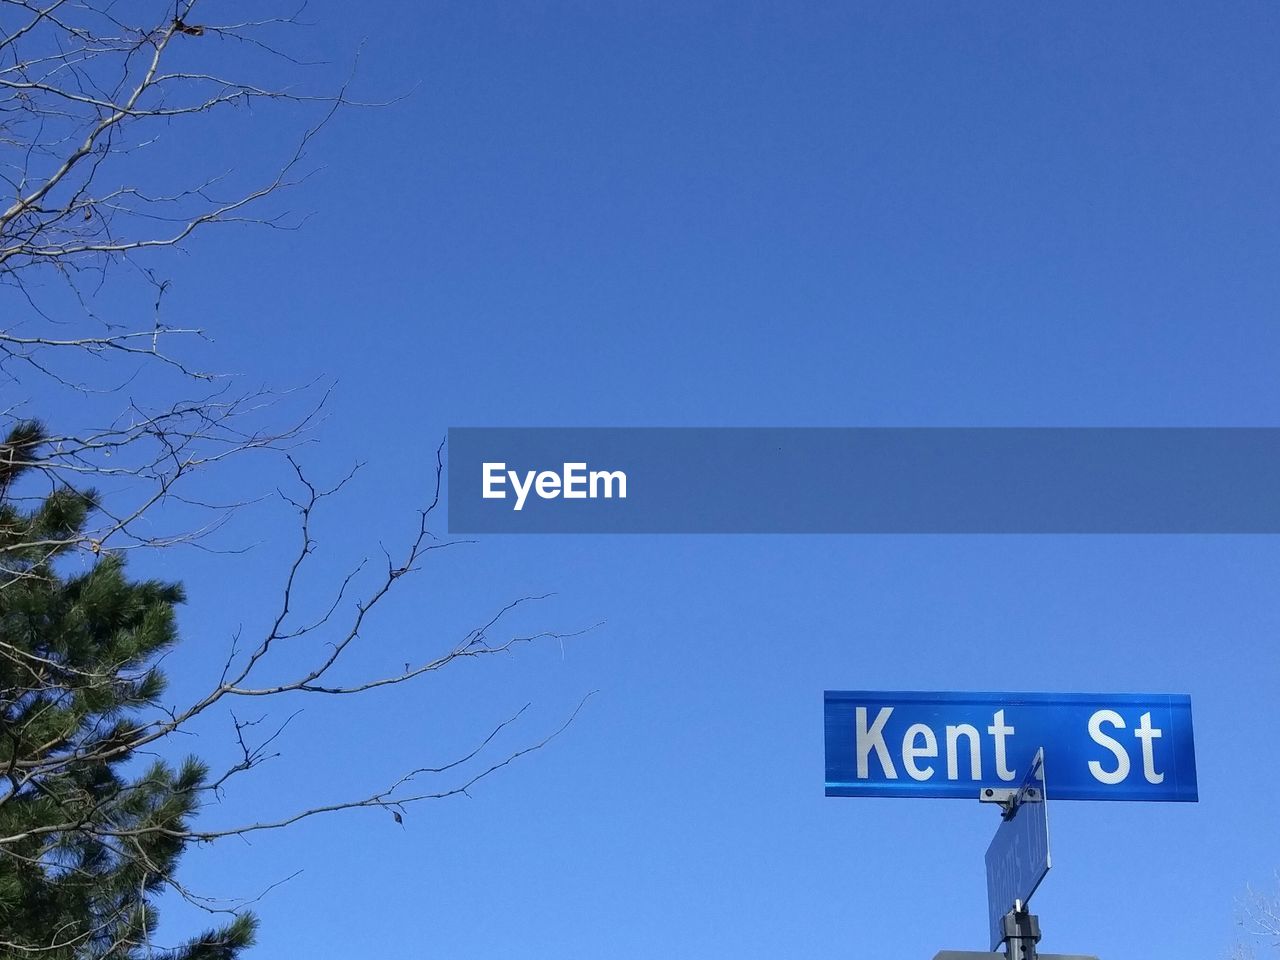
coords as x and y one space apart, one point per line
910 751
971 734
548 484
872 739
494 475
1122 756
609 477
1147 734
574 483
521 491
999 731
574 474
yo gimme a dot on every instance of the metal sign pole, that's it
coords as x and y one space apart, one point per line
1021 933
1018 858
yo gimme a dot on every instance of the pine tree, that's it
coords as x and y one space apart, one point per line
90 833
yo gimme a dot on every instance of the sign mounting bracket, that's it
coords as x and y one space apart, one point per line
1007 797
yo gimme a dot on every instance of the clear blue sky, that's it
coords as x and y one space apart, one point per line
758 214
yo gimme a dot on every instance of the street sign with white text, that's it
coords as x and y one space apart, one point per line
1099 746
1018 858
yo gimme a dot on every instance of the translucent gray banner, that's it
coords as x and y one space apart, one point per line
864 480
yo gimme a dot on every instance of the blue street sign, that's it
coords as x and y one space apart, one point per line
1099 746
1018 858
